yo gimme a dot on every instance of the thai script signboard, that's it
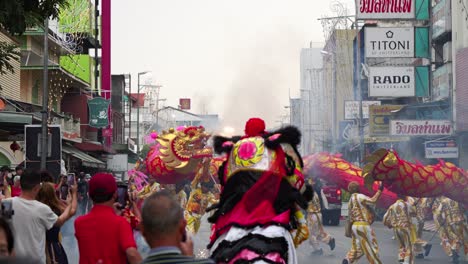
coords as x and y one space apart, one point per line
421 127
389 9
441 150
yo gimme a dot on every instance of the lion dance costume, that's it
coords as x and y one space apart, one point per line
262 190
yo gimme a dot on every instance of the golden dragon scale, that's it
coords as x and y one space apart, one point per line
415 179
333 169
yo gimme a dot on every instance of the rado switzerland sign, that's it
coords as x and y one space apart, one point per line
385 9
389 42
391 82
420 127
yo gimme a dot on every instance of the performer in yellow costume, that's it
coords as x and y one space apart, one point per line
363 236
317 233
455 232
421 247
200 198
398 217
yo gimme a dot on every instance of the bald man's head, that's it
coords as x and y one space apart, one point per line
161 214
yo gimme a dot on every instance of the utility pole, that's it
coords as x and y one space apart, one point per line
358 78
45 98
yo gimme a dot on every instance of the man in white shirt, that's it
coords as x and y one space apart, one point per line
31 219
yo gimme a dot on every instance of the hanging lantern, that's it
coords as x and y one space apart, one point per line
15 146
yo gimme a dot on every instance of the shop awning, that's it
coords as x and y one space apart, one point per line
86 160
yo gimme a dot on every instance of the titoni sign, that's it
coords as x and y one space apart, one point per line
391 82
389 9
389 42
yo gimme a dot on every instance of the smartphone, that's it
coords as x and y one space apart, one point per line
71 179
63 192
122 195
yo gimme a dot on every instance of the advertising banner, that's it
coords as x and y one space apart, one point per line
391 82
379 119
352 109
390 9
421 127
389 42
441 150
98 112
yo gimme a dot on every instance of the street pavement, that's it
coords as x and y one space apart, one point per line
388 247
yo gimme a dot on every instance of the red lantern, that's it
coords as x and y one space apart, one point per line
15 146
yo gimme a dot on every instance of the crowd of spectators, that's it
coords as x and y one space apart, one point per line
31 234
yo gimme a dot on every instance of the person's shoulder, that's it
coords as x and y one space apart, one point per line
175 259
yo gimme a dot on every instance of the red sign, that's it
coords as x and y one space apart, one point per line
184 103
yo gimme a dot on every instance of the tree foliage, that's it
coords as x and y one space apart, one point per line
16 16
8 53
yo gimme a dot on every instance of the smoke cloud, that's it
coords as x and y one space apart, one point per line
261 83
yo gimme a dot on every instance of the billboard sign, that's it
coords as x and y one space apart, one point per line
352 109
389 42
379 119
184 103
391 82
441 150
392 9
421 127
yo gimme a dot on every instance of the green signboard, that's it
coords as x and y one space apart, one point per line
98 112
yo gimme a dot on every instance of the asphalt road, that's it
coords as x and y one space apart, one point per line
388 247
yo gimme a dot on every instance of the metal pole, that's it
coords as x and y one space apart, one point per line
96 46
45 98
333 54
130 106
138 114
358 78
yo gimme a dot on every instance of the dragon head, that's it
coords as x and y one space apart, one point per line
381 166
178 147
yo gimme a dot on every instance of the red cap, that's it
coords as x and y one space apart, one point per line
102 184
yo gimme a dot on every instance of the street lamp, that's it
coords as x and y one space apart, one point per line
333 56
138 110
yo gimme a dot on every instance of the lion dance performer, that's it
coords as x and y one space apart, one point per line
398 217
317 232
262 192
361 218
453 228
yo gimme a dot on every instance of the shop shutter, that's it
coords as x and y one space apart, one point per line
422 9
422 81
421 42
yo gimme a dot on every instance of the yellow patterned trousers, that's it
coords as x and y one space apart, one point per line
405 251
363 242
193 222
457 236
317 233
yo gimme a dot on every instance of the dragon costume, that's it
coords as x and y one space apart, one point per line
262 190
334 169
415 179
